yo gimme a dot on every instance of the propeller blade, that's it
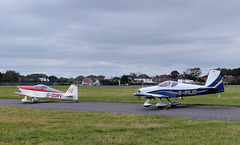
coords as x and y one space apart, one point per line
139 98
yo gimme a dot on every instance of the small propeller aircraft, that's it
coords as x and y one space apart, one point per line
43 91
172 89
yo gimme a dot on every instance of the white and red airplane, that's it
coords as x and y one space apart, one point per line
43 91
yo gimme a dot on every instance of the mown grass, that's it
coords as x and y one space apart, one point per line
34 126
231 96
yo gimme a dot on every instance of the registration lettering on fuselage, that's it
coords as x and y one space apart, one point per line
54 95
187 93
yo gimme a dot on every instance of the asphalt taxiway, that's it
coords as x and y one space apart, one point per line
188 111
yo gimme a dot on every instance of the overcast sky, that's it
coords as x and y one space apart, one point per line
115 37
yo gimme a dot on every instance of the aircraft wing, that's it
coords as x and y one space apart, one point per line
25 94
150 95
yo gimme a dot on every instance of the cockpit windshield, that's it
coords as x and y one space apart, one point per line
40 87
168 84
165 84
46 88
174 84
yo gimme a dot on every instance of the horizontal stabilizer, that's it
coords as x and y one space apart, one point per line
68 95
209 88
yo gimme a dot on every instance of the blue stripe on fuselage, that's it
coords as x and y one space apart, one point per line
182 93
170 93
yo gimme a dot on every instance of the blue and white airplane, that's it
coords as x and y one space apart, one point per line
172 89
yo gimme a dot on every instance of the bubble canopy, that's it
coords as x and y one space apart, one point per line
168 84
46 88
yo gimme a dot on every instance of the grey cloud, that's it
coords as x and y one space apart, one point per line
115 37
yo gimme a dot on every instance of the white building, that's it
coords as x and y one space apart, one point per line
143 78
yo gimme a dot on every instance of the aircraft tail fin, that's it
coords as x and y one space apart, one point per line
72 91
214 80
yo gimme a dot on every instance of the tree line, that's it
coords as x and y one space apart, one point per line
12 77
191 74
231 72
194 74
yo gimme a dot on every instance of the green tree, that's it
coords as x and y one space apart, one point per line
53 78
109 82
124 80
10 76
174 74
36 76
236 72
235 81
192 73
63 80
1 77
133 75
101 76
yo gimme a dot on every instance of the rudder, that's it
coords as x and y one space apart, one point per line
74 91
214 80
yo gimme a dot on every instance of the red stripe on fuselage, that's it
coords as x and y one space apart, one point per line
33 89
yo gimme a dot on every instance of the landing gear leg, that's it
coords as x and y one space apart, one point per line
25 100
146 104
34 99
173 104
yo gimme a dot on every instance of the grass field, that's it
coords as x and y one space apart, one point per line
231 96
33 126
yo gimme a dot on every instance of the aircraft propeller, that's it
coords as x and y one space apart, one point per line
139 98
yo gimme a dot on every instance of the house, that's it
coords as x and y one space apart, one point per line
204 78
87 82
143 78
227 78
161 78
44 79
182 79
96 82
91 82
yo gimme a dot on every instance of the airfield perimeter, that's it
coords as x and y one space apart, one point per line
188 111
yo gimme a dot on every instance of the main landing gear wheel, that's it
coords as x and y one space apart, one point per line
146 104
160 104
172 103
